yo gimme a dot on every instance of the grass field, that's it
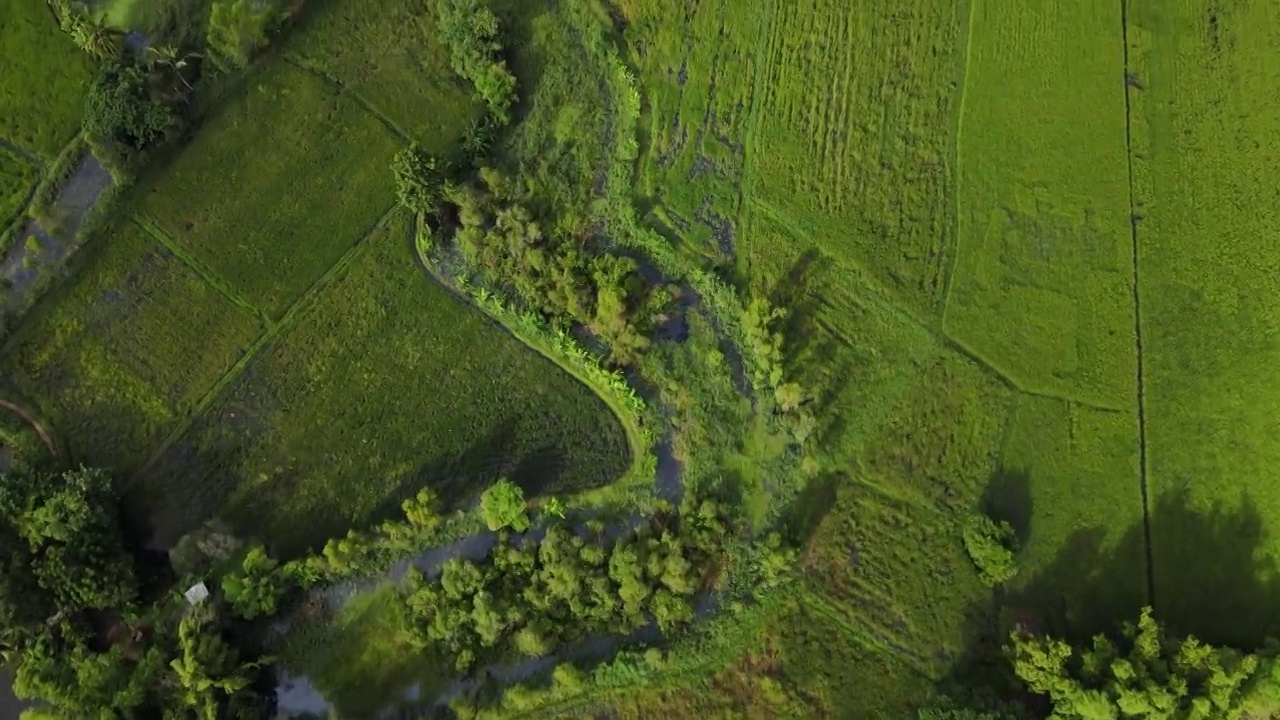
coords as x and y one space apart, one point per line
119 356
385 384
17 177
387 54
223 204
1042 285
1206 134
44 81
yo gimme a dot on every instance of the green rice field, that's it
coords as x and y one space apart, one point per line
17 178
275 357
441 397
44 80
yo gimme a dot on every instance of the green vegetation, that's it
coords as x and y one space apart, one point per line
991 546
1202 135
17 176
217 198
120 355
1145 674
492 358
503 505
44 82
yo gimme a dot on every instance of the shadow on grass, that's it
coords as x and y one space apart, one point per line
1213 579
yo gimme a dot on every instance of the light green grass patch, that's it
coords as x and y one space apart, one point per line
116 358
387 383
1207 140
388 52
276 186
854 134
44 80
1043 282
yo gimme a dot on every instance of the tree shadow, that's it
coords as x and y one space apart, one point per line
1213 579
1007 498
805 514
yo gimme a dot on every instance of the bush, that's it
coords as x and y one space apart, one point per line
122 115
991 545
502 505
238 29
420 179
470 31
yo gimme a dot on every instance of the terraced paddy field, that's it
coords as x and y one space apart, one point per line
44 81
276 357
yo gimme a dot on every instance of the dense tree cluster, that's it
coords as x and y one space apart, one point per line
73 625
124 111
554 274
529 596
470 31
1146 675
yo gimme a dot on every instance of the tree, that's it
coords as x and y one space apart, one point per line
991 546
470 31
167 56
502 505
122 115
254 588
209 674
238 29
420 179
1144 674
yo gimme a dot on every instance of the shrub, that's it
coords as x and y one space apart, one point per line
122 115
502 505
991 546
238 29
420 179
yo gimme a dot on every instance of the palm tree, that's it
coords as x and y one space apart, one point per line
94 37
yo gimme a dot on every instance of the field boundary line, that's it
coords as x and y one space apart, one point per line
207 274
24 154
31 420
1137 308
344 89
870 290
949 279
272 332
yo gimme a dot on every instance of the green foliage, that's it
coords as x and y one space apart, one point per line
62 533
526 598
1142 674
210 676
420 179
991 545
256 585
122 113
553 274
238 29
502 505
469 30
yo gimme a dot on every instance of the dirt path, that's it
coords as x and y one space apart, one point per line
30 419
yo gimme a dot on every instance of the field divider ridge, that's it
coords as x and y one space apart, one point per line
344 89
207 274
24 154
273 331
871 291
949 277
1137 306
